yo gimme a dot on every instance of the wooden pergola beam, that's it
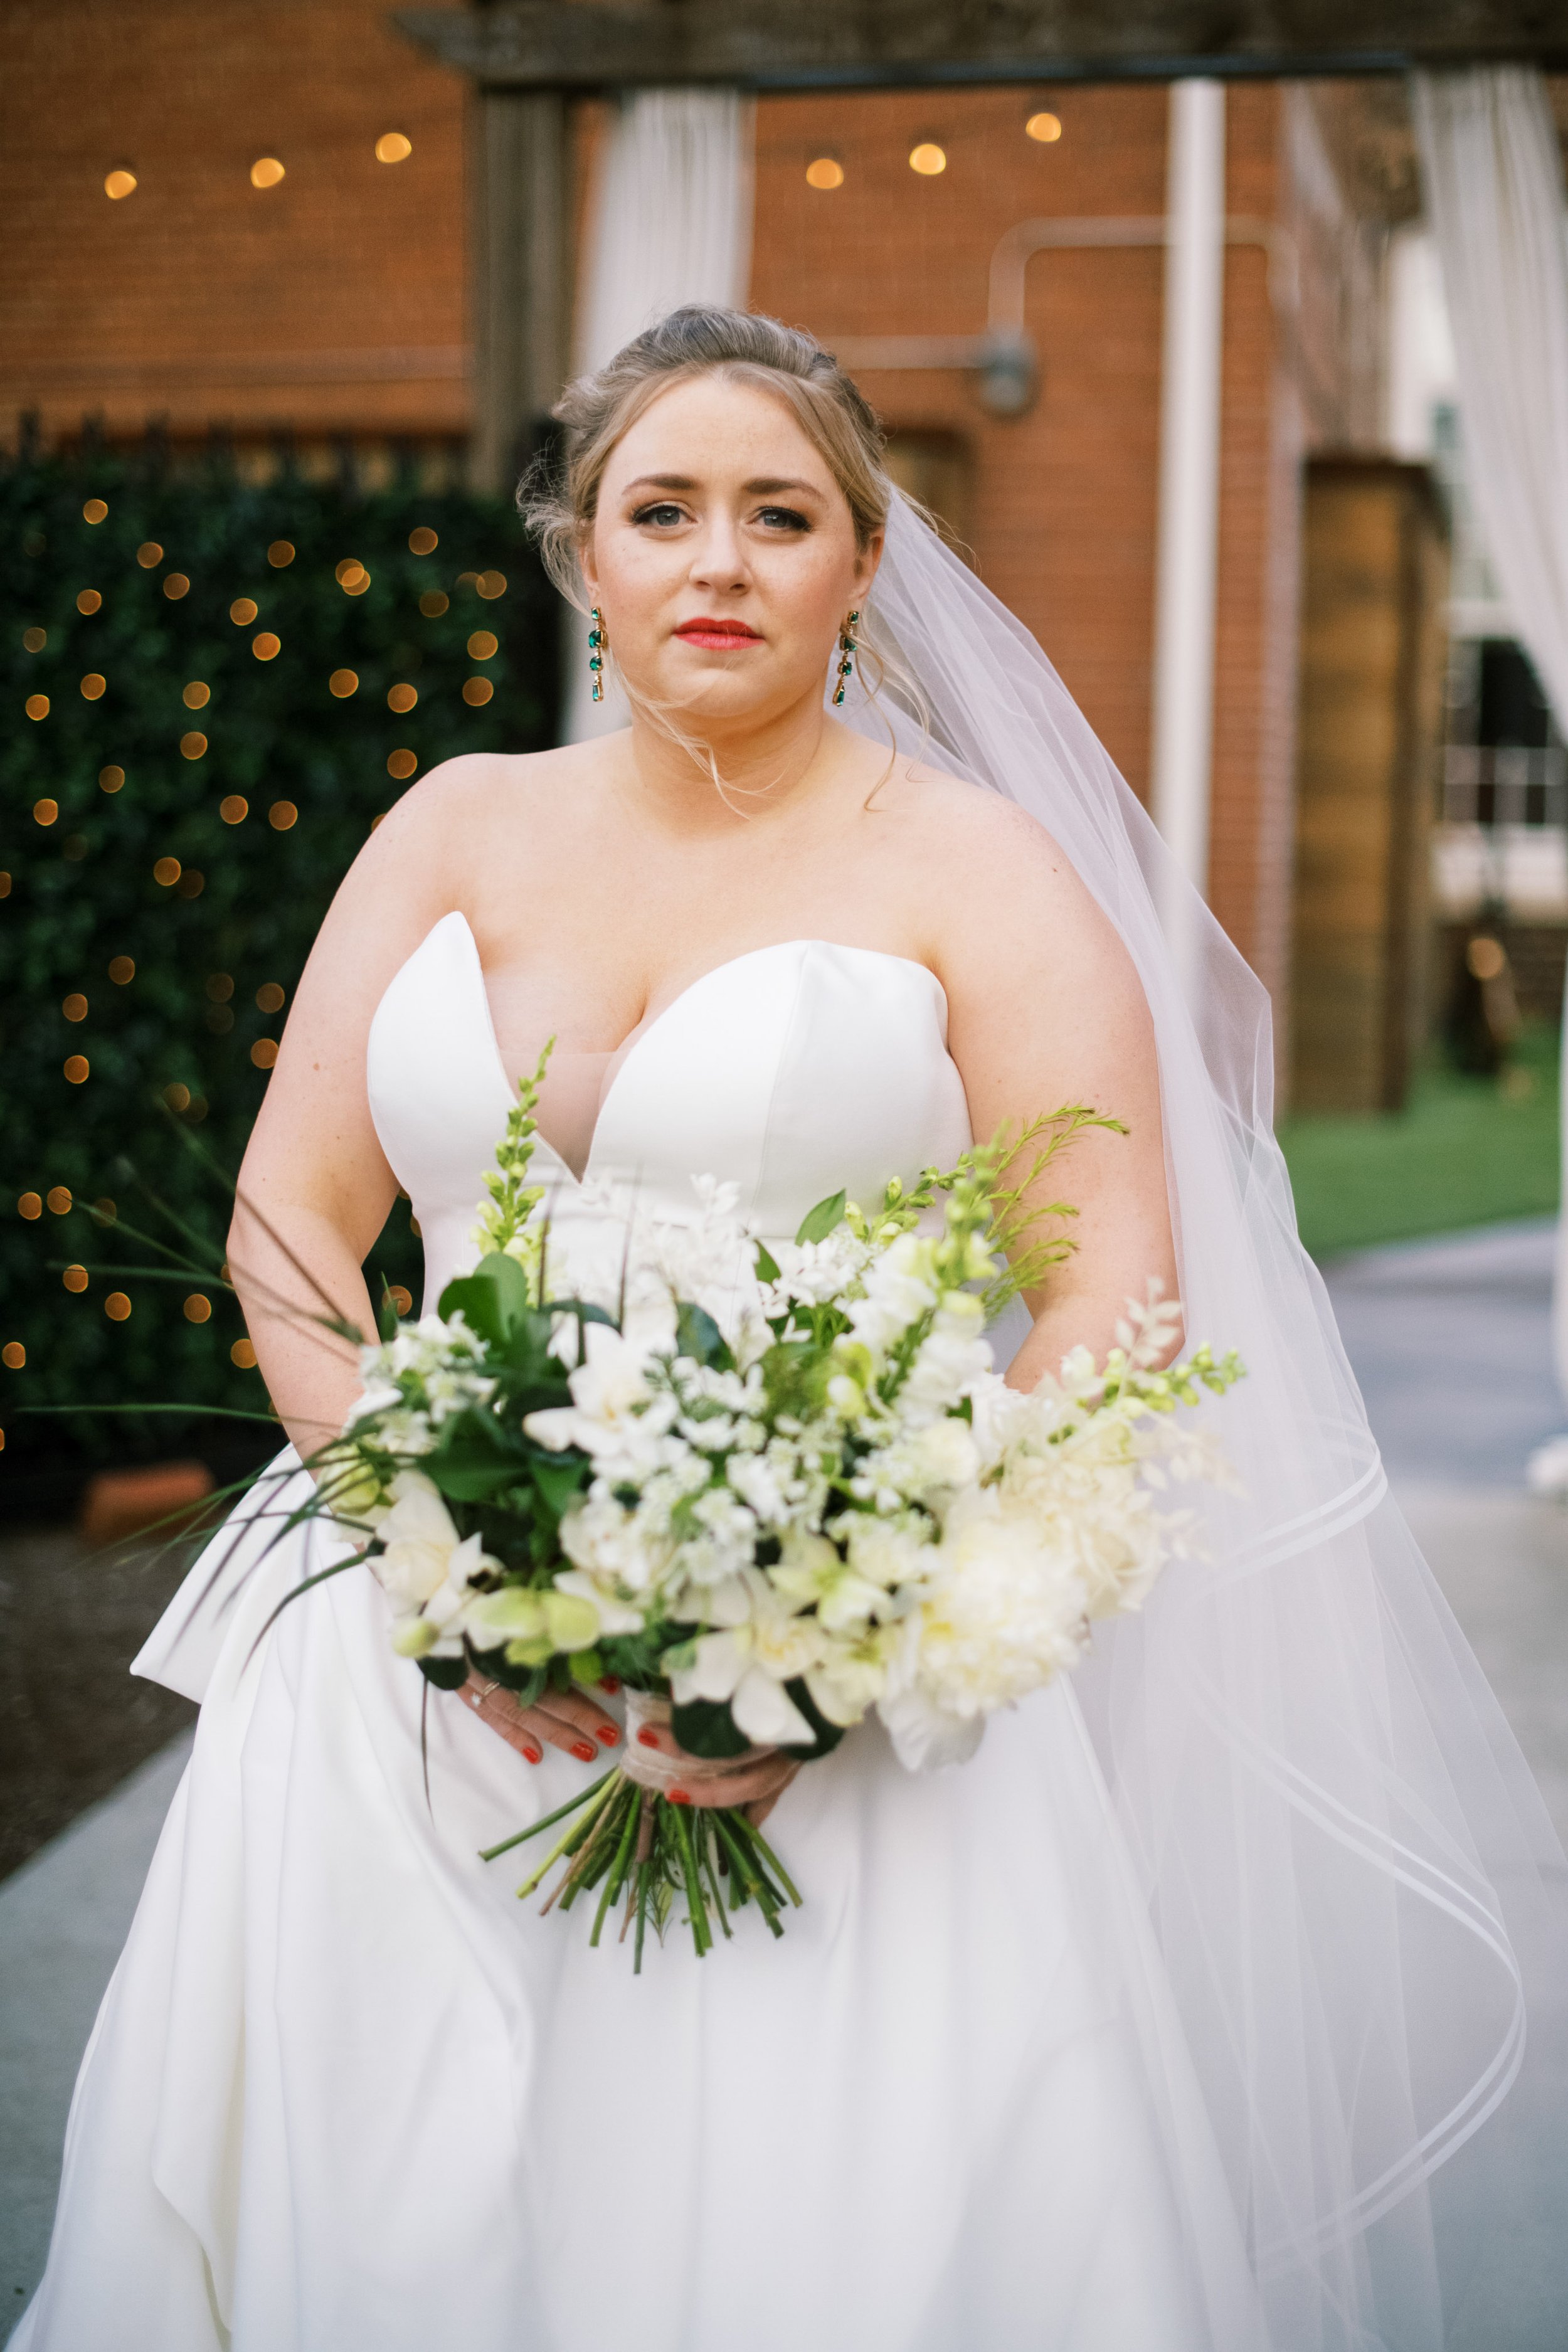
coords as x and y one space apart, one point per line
798 44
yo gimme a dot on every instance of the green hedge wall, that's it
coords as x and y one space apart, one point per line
177 561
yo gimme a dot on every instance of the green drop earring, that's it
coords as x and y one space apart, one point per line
598 641
848 641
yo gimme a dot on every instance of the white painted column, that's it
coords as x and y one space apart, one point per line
1189 488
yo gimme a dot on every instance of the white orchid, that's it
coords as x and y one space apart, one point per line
748 1665
425 1568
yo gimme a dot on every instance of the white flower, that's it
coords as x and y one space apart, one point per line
813 1572
609 1387
748 1664
425 1567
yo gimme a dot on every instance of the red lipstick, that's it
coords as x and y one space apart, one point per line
718 637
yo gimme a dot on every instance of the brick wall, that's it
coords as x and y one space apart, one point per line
333 301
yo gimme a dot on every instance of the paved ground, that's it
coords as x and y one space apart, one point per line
1449 1341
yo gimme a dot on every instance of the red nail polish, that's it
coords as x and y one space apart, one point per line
607 1733
611 1682
581 1749
678 1797
534 1755
646 1738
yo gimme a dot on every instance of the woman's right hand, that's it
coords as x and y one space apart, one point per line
569 1720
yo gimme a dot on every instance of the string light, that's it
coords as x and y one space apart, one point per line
104 1209
94 510
89 601
117 1306
192 883
243 1354
280 552
401 764
264 1053
176 585
476 690
491 584
1045 126
194 745
928 159
76 1069
178 1097
110 778
234 808
59 1200
35 640
242 611
198 1309
281 816
75 1007
166 872
30 1206
93 686
5 886
118 185
45 811
197 695
342 683
36 705
75 1277
392 147
825 171
482 645
148 554
432 605
402 698
265 172
13 1355
423 540
266 647
123 971
271 997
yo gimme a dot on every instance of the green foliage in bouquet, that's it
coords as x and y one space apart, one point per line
177 647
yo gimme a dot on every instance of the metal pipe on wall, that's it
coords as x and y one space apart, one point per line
1189 480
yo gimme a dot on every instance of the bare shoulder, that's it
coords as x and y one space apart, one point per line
976 852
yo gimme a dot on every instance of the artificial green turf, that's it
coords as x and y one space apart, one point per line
1463 1151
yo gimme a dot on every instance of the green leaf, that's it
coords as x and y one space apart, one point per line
446 1673
818 1222
697 1336
829 1735
558 1477
705 1728
766 1264
386 1313
493 1300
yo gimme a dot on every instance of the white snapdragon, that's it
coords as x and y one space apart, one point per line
748 1665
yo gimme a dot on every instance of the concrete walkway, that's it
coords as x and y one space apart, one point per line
1450 1343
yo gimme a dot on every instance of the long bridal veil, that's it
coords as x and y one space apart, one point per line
1356 1892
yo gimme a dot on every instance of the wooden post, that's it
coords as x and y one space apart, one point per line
1373 654
522 263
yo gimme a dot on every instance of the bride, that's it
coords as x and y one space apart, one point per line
1149 2029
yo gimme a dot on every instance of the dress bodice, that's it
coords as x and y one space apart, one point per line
788 1071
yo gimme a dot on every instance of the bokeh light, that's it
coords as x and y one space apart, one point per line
483 645
234 808
401 697
265 172
242 611
928 159
194 745
196 695
281 816
119 183
77 1069
1045 126
394 147
89 601
423 540
117 1306
110 778
123 971
825 171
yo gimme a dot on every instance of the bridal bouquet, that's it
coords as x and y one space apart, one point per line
769 1494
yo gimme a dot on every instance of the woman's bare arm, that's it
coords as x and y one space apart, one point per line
1045 1010
315 1187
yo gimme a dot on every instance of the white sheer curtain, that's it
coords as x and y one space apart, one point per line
1493 174
671 224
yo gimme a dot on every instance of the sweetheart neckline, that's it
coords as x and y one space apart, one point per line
628 1047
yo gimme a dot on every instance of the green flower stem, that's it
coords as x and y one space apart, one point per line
490 1853
574 1837
749 1829
617 1867
697 1906
705 1844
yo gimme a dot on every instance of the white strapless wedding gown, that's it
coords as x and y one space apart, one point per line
346 2094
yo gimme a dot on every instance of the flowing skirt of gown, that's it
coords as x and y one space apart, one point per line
346 2094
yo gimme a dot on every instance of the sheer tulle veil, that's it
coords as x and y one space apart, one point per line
1355 1891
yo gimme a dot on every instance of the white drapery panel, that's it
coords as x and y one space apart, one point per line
1493 175
671 224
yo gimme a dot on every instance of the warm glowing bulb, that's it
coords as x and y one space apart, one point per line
1045 126
392 147
118 185
928 159
825 171
265 172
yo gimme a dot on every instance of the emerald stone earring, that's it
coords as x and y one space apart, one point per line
848 642
598 641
